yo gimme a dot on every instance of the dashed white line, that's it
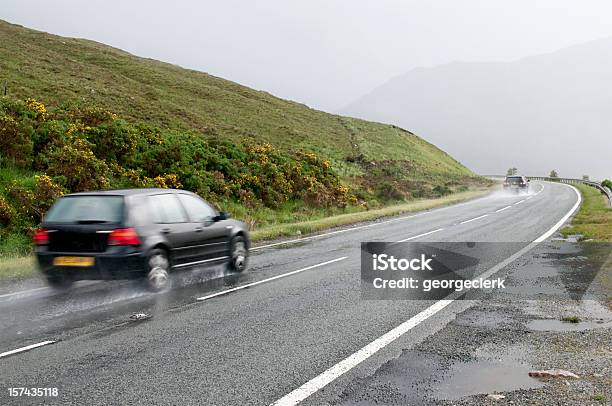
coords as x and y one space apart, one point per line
502 209
519 202
474 219
298 395
420 235
27 348
248 285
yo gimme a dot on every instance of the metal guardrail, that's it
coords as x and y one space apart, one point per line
603 189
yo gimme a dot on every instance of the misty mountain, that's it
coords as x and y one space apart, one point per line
551 111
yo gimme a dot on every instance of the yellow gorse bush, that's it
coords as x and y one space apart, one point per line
38 108
168 181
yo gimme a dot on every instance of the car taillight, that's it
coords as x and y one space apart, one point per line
41 236
123 236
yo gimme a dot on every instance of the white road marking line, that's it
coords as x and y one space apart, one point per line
519 202
502 209
298 395
564 219
312 386
27 348
248 285
420 235
474 219
23 292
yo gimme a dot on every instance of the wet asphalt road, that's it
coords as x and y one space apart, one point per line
255 345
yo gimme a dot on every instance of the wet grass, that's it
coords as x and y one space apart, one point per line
17 267
570 319
594 219
600 397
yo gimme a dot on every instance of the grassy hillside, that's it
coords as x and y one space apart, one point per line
80 115
56 69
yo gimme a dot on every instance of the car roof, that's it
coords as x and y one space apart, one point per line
128 192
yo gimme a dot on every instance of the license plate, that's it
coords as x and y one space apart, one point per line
73 261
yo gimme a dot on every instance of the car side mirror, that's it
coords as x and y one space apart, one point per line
221 216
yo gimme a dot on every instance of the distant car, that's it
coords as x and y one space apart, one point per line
516 184
135 233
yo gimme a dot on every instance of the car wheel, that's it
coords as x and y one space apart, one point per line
239 254
158 267
59 282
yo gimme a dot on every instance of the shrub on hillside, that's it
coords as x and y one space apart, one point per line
38 108
441 190
114 142
92 116
77 167
168 181
88 148
387 190
46 192
34 203
15 142
7 214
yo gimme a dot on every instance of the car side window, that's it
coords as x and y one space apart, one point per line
197 209
166 209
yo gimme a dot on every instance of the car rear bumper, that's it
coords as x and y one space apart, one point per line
116 265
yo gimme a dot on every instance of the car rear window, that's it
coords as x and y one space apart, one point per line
514 179
87 210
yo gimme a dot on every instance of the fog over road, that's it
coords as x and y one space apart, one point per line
258 344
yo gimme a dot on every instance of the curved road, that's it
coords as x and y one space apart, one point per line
273 341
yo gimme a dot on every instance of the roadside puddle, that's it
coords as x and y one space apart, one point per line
490 372
563 326
418 377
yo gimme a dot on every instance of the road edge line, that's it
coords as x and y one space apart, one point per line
26 348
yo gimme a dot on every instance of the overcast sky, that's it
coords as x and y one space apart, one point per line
324 53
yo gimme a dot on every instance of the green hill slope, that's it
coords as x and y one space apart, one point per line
56 69
129 121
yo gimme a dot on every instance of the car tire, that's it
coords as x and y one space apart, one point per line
60 282
239 254
158 270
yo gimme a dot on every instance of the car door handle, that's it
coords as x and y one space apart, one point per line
165 230
198 229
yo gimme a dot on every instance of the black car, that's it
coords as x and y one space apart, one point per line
516 184
135 233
